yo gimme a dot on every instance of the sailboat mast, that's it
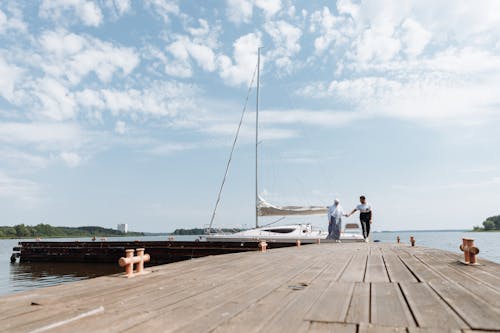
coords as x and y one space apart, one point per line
257 144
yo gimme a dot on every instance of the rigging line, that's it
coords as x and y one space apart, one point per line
209 230
280 219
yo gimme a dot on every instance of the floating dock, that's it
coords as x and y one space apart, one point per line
354 287
162 252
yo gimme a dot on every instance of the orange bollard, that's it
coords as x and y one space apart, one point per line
129 267
318 241
140 264
470 251
398 239
412 240
298 242
129 261
263 246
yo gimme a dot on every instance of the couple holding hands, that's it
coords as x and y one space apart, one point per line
335 213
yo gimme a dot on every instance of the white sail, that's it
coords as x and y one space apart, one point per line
266 209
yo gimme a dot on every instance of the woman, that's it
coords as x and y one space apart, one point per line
335 213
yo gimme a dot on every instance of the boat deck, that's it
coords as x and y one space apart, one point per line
354 287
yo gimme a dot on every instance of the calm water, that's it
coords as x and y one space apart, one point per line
18 277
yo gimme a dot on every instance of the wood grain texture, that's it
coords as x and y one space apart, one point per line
348 287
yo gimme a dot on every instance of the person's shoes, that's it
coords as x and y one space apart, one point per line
366 240
339 241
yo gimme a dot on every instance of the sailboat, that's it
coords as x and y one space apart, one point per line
280 233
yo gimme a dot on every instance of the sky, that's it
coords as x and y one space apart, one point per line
120 111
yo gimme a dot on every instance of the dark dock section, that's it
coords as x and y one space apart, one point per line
162 252
354 288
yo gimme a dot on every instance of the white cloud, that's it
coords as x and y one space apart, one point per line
322 118
375 46
120 7
72 159
270 7
286 40
245 51
45 136
415 37
428 61
88 12
160 99
10 76
164 8
55 101
241 11
169 148
183 49
199 47
120 127
17 188
329 28
13 22
72 57
20 160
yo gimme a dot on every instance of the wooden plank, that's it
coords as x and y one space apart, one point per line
184 307
355 272
388 307
434 330
256 315
252 292
375 269
333 304
428 309
319 327
476 312
456 271
235 305
369 328
452 271
421 271
398 272
359 309
292 314
53 314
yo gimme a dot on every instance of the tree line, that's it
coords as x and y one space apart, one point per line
46 230
491 223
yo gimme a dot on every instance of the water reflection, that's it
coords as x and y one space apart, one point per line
25 276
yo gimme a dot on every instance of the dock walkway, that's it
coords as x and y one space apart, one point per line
355 287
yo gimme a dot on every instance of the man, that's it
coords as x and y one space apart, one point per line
335 213
365 216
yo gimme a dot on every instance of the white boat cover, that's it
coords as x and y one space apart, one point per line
266 209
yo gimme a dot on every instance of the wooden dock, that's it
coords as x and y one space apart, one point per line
355 287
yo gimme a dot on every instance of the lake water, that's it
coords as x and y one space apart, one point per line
23 276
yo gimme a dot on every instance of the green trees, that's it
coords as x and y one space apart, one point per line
45 230
491 223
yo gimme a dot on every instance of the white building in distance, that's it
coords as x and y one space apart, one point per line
123 227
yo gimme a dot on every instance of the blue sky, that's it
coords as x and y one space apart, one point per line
124 111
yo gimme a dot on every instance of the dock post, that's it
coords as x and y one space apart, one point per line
298 242
263 246
129 267
412 240
470 251
129 260
140 263
318 241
